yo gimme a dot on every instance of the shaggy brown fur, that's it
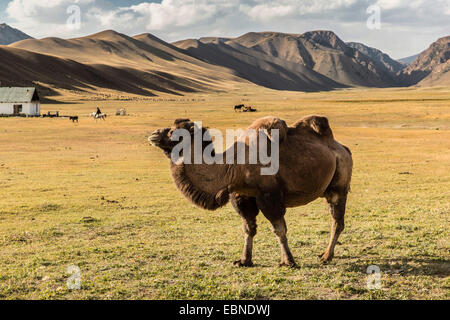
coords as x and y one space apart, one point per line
312 165
200 198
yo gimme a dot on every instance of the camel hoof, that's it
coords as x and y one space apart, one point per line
292 265
325 258
245 264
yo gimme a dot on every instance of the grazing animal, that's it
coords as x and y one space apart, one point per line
248 109
238 107
312 164
73 119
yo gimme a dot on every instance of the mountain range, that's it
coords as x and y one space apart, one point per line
109 63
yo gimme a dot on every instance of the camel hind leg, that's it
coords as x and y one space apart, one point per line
280 229
271 205
337 203
336 196
248 210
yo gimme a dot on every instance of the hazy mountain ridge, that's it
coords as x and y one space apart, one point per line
10 35
408 60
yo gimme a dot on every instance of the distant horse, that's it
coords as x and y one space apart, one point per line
98 116
238 107
73 119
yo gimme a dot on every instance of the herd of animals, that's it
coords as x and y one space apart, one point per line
99 115
122 112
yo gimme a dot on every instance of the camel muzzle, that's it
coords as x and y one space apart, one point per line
155 138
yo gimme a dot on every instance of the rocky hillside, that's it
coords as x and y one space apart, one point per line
325 53
432 65
383 60
256 66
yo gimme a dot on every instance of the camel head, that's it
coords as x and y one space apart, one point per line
162 138
211 196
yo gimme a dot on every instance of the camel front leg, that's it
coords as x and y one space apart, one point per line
249 226
247 209
337 205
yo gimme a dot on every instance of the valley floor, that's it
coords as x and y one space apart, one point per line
95 195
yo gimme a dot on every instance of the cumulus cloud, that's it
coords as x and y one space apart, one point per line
169 14
40 11
178 19
264 12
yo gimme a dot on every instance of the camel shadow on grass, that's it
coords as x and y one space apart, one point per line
413 266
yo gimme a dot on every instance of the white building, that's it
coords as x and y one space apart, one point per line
17 101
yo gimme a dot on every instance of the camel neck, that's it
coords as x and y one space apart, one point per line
205 185
208 177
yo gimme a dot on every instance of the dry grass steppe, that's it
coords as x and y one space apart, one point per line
96 195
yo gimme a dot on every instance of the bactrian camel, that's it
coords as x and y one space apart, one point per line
311 165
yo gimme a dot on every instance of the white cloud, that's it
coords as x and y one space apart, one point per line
169 14
265 12
173 13
390 4
34 10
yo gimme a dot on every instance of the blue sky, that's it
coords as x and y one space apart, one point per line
406 27
3 4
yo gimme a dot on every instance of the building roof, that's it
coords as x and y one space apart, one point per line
16 94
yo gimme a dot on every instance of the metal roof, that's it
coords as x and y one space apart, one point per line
16 94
